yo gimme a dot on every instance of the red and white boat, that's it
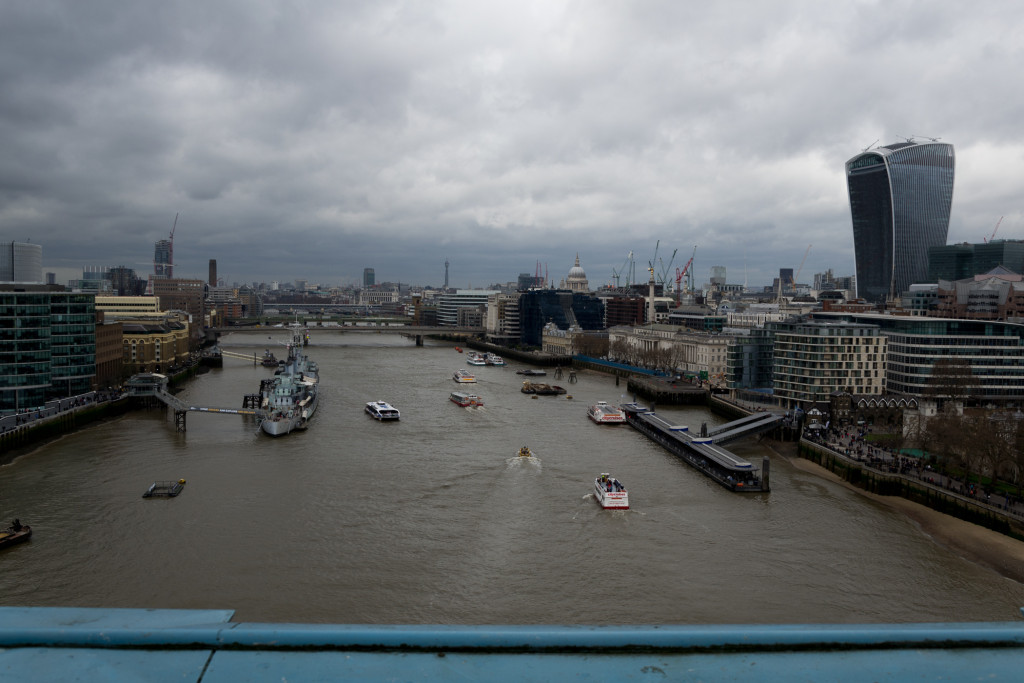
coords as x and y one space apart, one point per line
610 493
603 412
465 400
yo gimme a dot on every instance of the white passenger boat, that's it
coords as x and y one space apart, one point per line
476 359
463 376
465 400
494 359
603 412
610 493
382 410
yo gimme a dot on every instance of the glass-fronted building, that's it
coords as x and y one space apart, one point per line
993 350
538 307
47 347
900 201
961 261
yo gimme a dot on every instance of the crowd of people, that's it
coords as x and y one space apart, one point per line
855 443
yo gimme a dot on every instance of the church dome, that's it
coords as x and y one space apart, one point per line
576 272
577 279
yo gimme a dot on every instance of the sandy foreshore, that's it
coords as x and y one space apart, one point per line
985 547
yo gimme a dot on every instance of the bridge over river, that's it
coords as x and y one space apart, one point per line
417 331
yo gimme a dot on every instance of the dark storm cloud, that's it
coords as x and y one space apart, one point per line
313 139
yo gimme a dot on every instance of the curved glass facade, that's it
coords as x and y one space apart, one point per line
900 201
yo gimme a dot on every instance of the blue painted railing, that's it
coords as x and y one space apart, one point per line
43 644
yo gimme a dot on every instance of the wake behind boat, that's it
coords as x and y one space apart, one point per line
610 493
603 412
382 410
290 398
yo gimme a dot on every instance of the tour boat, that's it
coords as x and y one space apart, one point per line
610 493
382 410
465 400
604 413
476 359
494 359
463 376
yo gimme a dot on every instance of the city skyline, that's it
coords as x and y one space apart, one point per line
313 144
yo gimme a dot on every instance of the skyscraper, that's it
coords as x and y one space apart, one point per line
163 263
900 201
369 277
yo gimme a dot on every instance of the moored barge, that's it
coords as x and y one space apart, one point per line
722 466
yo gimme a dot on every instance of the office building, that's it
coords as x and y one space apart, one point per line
21 262
369 278
163 255
50 348
961 261
900 201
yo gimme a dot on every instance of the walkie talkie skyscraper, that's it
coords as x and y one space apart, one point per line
900 201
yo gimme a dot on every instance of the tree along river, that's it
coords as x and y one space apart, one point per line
434 519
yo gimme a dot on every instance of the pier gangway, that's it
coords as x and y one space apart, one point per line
154 385
745 426
721 465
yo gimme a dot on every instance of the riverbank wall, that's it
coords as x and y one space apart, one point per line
35 432
857 474
32 434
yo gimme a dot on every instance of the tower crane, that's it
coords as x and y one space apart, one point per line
796 278
994 230
627 267
685 272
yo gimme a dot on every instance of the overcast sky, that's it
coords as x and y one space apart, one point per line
311 139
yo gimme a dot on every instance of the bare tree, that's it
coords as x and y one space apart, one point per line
952 379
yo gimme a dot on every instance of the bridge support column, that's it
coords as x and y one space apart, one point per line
179 420
419 340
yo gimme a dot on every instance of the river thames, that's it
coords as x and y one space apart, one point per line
433 519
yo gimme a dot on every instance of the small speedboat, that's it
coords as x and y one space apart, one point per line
610 493
382 410
525 452
14 534
604 413
463 376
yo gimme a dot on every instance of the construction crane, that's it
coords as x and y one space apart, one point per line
993 231
687 273
665 270
626 266
796 278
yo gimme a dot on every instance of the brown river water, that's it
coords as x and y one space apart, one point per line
433 519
